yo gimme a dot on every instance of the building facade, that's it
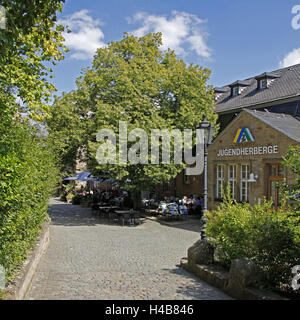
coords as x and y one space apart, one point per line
247 157
259 118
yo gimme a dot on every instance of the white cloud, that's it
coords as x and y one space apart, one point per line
181 32
86 36
290 59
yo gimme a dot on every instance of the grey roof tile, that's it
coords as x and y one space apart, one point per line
284 123
285 86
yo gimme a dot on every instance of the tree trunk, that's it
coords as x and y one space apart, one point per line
137 200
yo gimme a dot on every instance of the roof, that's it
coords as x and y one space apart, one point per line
286 84
268 74
284 123
240 83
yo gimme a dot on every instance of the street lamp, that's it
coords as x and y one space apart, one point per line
208 130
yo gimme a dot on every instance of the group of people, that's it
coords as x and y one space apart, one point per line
110 195
116 197
193 204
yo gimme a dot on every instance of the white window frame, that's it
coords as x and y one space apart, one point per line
220 181
236 91
263 83
232 179
244 177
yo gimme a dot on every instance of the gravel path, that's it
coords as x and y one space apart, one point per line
91 258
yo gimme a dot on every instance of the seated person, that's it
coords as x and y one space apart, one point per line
184 200
198 203
189 204
182 209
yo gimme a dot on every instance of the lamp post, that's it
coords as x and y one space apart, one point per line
208 133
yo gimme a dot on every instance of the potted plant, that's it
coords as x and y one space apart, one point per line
69 197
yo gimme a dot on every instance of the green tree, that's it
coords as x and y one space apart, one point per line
29 44
67 133
292 161
291 191
132 80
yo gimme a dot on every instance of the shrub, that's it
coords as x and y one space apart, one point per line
269 237
28 176
76 199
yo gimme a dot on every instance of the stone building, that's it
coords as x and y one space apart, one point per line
247 155
264 96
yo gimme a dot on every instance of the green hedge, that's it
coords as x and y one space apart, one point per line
28 176
269 237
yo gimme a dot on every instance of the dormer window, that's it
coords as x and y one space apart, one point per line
263 83
219 92
235 91
238 86
265 80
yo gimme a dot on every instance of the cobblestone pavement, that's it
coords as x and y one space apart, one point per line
91 258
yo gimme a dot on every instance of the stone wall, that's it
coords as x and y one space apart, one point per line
240 282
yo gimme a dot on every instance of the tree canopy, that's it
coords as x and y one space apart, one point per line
132 80
29 44
67 131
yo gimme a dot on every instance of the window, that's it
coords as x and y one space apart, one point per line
244 185
275 175
236 91
263 83
232 180
220 181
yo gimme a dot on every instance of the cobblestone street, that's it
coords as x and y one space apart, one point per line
92 258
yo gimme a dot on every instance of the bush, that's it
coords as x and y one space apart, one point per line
269 237
28 176
63 196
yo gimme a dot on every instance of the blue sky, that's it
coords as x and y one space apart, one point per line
234 39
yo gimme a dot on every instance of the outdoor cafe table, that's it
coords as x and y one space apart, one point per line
107 209
121 213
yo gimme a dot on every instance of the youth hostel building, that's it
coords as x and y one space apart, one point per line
259 119
248 155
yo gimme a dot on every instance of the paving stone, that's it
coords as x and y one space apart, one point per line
90 258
